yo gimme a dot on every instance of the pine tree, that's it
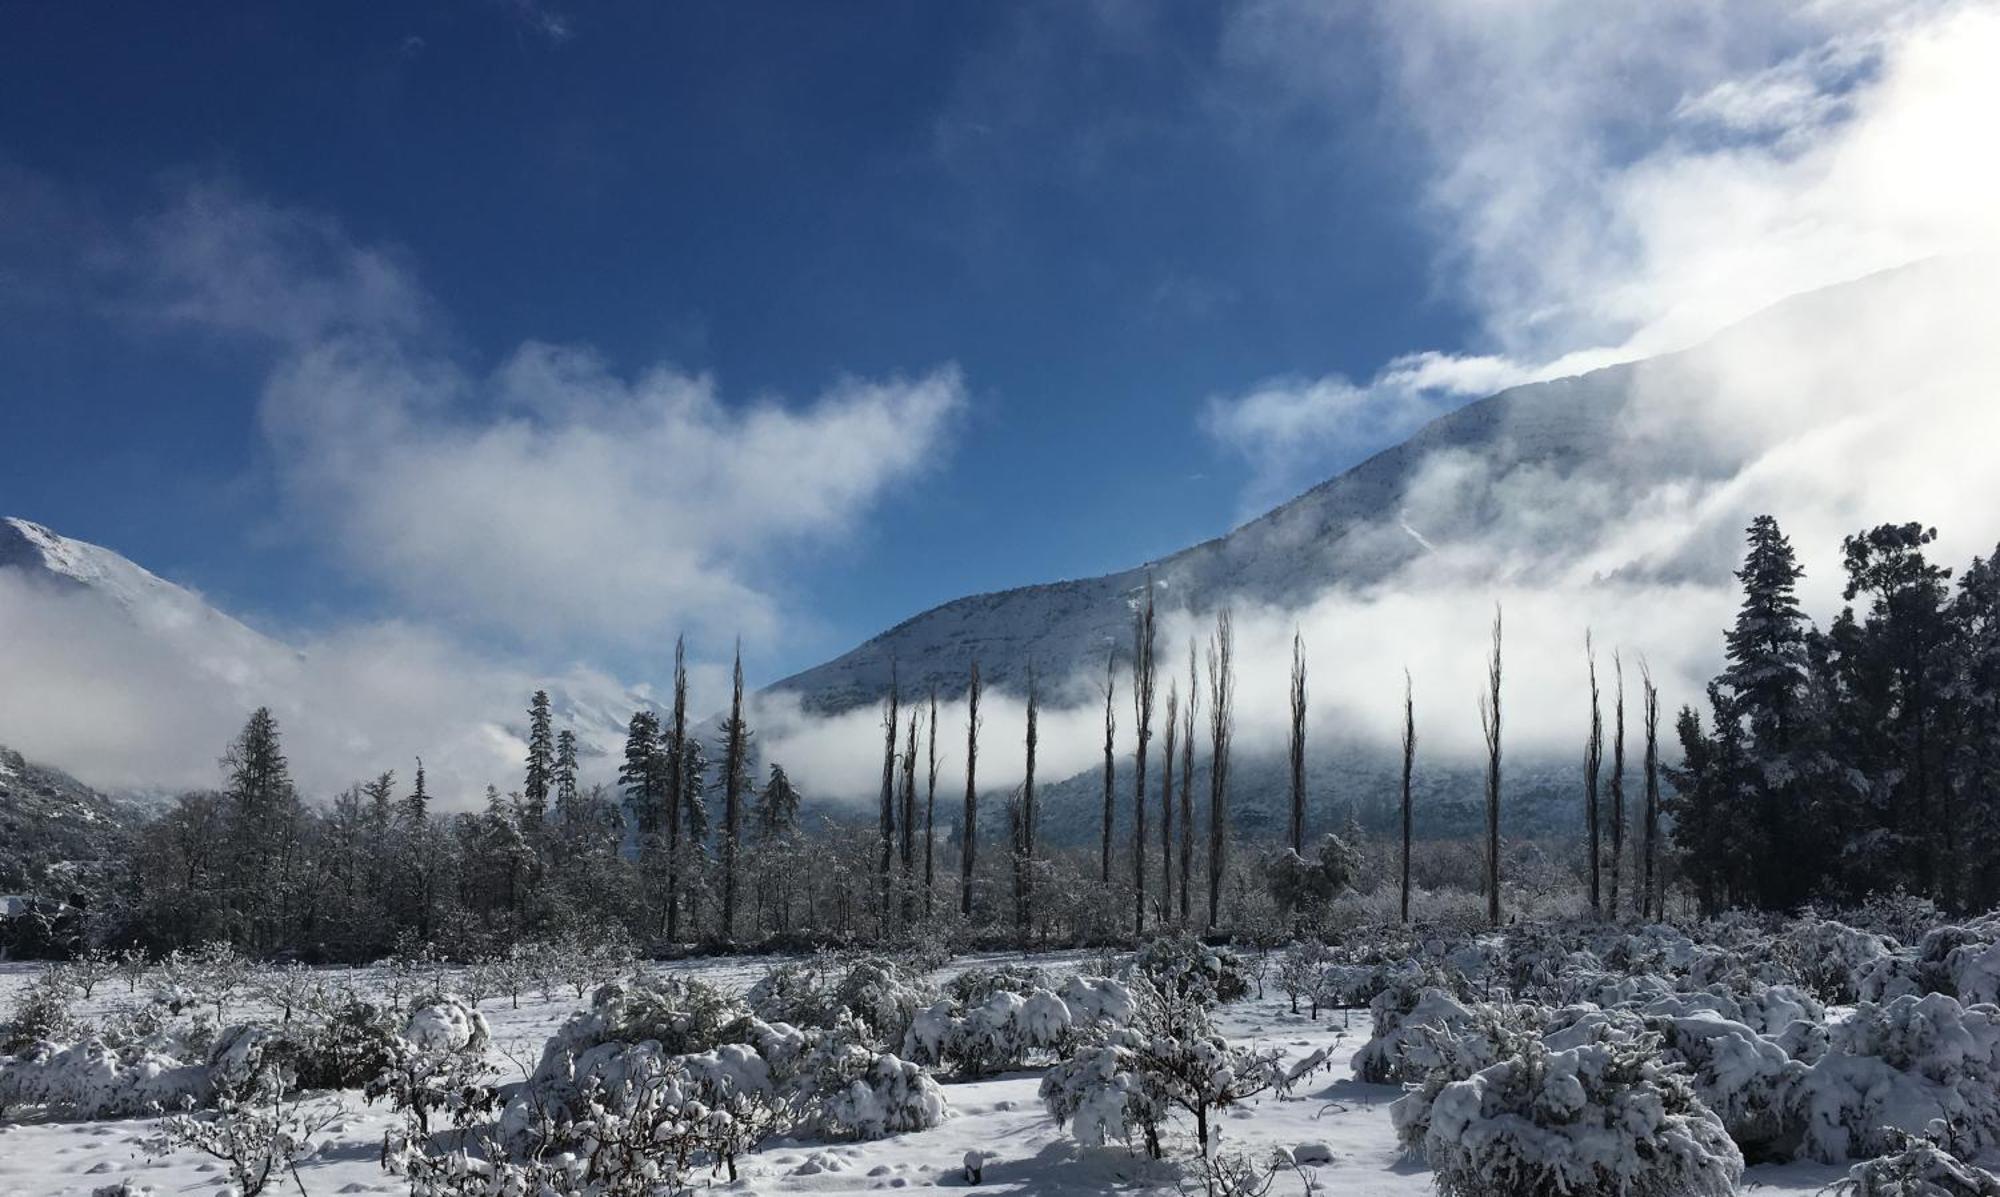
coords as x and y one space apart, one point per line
640 777
566 776
541 759
263 809
1409 763
777 812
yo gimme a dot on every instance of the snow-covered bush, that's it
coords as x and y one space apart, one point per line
680 1014
289 989
1407 1020
436 1063
977 984
1599 1119
42 1013
1747 1079
1839 962
1001 1031
1123 1081
258 1141
344 1048
1443 1053
1898 1067
210 974
1299 969
1098 1002
848 1090
882 994
1181 965
1919 1168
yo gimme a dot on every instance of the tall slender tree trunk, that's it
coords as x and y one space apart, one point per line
970 834
1027 883
1489 720
1142 712
1617 854
908 845
1593 762
930 813
677 775
887 837
732 800
1167 802
1221 696
1110 765
1649 903
1409 762
1187 789
1297 825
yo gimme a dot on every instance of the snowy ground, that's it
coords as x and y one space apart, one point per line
1001 1116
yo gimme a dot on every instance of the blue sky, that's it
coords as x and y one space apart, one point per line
1084 209
1126 258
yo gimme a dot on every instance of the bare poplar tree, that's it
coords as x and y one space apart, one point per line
1172 725
1187 788
734 774
1409 763
1593 764
890 725
1649 898
969 835
1298 743
677 779
1221 697
930 810
1617 854
1489 723
1142 713
1027 850
909 817
1110 766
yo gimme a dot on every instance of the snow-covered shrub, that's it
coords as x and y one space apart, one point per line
1098 1002
848 1090
1001 1031
1919 1168
42 1013
1747 1079
977 984
1836 960
1122 1082
258 1141
1599 1119
289 989
344 1048
1406 1020
1299 968
680 1014
436 1063
88 1080
1181 965
1898 1067
884 995
1441 1054
210 974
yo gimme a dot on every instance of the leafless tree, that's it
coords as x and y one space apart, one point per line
1172 726
890 725
909 817
1617 854
1298 743
1142 713
969 835
1409 763
1221 698
735 771
1027 832
1649 897
1110 764
1593 764
677 779
1187 788
930 810
1489 723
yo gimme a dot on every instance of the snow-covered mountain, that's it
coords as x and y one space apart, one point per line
179 676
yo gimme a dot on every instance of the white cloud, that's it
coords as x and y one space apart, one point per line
551 497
